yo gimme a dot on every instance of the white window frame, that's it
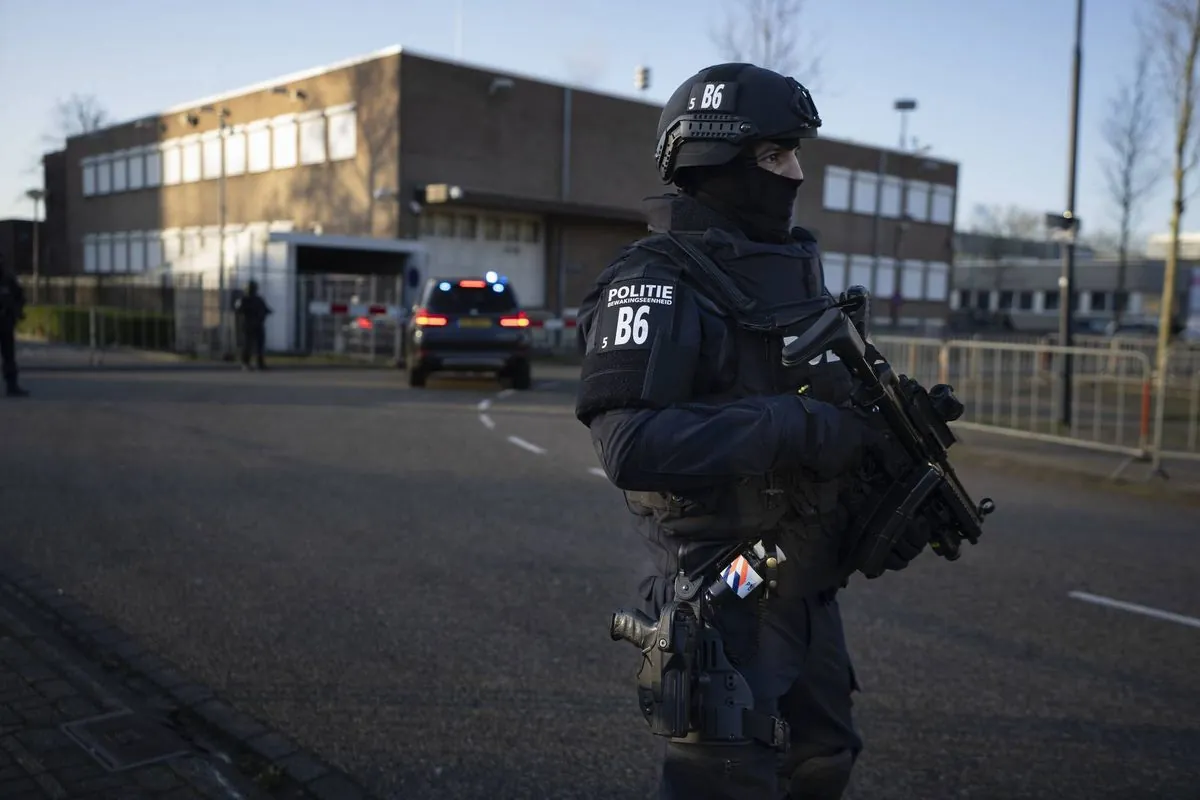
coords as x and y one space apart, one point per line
285 142
120 252
938 275
191 159
916 201
235 150
341 128
137 168
912 279
866 188
137 251
103 175
841 179
835 265
210 155
941 199
172 246
153 166
104 253
891 196
89 253
172 162
120 171
87 168
258 133
312 136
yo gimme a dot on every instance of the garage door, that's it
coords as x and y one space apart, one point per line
464 243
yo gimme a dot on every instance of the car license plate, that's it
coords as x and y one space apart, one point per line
474 323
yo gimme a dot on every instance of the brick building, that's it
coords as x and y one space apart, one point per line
322 169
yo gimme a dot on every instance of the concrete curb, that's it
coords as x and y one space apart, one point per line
277 764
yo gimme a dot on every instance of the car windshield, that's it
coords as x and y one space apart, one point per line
449 298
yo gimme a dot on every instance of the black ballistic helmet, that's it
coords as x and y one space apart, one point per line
716 112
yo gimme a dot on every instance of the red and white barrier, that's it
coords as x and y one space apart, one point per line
325 309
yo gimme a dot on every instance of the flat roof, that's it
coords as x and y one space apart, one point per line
396 49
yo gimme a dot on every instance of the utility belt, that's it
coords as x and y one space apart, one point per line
747 508
687 687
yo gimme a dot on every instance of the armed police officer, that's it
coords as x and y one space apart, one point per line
713 440
252 311
12 311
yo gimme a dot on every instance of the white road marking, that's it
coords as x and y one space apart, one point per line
506 393
519 442
487 421
484 405
1136 609
599 473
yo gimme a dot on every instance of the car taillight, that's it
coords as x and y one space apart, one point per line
364 323
472 284
424 318
518 321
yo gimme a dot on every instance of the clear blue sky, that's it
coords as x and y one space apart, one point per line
992 76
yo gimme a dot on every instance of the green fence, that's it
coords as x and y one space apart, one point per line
100 327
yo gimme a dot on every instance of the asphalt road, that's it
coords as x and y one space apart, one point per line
416 584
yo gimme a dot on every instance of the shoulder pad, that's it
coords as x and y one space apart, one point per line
803 235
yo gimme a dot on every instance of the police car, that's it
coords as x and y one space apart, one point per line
468 325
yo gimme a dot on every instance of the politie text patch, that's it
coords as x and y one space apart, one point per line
633 312
713 97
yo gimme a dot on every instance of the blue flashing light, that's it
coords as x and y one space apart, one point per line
491 277
504 279
444 286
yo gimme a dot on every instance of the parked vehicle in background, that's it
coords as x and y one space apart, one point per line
468 325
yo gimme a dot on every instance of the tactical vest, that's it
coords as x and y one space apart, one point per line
754 296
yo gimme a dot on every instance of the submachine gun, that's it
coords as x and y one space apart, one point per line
687 686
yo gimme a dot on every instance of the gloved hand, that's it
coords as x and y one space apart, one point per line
910 544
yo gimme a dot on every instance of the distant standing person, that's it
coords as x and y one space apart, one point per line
254 312
12 311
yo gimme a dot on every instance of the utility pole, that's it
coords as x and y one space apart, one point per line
1066 283
36 196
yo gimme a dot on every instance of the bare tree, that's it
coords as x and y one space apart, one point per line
1175 28
1005 229
767 33
1132 168
78 114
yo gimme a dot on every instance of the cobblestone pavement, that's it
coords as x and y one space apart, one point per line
44 687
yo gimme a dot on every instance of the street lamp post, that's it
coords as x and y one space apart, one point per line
1066 283
36 196
903 106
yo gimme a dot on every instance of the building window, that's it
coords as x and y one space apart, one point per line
491 229
1006 301
259 142
153 166
912 280
885 279
1051 301
837 189
941 205
889 201
172 246
860 271
916 204
283 141
191 156
104 253
465 226
1100 301
172 158
312 138
154 250
983 300
103 175
1025 301
137 252
89 177
235 151
343 132
531 232
937 281
120 253
212 155
511 230
834 267
137 169
1121 301
964 298
865 192
425 221
89 254
120 172
443 225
